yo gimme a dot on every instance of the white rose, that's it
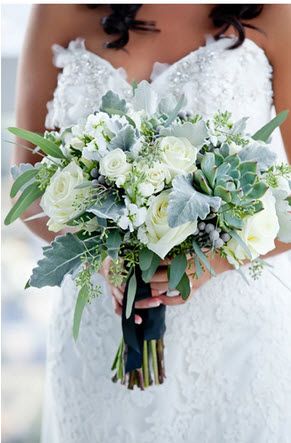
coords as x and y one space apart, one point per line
258 233
114 164
60 197
162 238
77 143
178 154
157 175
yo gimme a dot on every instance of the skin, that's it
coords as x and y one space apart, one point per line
61 23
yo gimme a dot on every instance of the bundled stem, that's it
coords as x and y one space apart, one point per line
153 365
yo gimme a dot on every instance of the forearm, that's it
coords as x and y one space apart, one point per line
38 226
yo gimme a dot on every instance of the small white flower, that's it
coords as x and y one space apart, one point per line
133 216
146 189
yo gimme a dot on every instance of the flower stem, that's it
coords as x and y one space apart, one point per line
145 364
161 363
153 345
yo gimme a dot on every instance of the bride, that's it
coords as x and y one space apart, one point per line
229 348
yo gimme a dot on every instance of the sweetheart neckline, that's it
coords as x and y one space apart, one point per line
168 67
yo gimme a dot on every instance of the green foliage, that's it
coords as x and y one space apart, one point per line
264 133
28 196
82 300
131 291
46 145
22 180
177 269
112 104
62 257
186 204
184 287
203 258
113 243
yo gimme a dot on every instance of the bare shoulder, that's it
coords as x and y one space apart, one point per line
275 22
60 23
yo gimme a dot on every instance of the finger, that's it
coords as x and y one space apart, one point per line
106 267
159 287
116 306
147 303
172 301
137 319
161 276
117 294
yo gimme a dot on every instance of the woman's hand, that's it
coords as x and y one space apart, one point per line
160 286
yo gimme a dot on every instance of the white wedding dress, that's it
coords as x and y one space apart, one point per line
228 350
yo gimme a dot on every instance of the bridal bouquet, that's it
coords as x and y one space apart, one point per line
143 182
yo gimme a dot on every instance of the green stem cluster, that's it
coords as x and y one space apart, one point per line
152 370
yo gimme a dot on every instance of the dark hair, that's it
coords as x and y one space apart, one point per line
122 19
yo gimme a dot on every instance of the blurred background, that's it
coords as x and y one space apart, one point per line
25 314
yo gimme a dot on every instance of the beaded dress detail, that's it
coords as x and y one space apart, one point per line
228 350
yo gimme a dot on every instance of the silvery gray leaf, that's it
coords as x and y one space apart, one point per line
196 133
109 208
167 104
124 139
260 154
112 103
186 204
239 127
16 170
145 98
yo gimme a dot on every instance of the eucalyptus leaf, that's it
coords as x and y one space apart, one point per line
186 204
198 267
22 180
177 268
131 291
62 257
145 258
264 133
202 257
28 196
82 300
47 146
184 287
150 271
112 104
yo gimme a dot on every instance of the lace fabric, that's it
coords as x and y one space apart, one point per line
228 353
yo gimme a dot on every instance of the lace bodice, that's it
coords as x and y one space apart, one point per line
228 351
212 77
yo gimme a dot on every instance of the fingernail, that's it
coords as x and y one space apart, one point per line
138 321
155 304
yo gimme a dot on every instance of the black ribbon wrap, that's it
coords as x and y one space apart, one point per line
153 324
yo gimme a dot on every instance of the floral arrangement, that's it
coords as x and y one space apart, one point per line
143 182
